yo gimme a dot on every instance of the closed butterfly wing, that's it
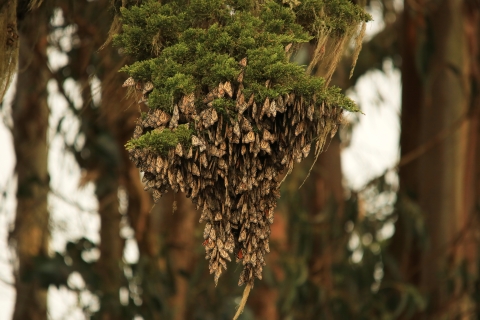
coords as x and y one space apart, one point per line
130 82
310 111
175 117
203 160
306 150
206 231
288 47
137 132
243 62
240 76
227 86
156 195
249 137
265 146
196 141
195 170
236 129
246 125
179 150
300 128
280 105
272 109
265 108
147 87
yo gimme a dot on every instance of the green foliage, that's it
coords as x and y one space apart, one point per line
334 96
185 47
350 283
162 140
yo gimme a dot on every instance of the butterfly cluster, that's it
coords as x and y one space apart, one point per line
144 87
232 166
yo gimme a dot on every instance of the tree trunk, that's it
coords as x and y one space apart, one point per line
439 128
326 209
405 246
180 236
8 44
102 159
30 115
444 180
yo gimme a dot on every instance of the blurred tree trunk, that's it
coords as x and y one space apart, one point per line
115 124
179 228
326 205
101 156
440 131
445 186
108 127
30 116
8 44
405 246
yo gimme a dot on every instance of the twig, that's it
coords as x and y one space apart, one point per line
242 303
439 137
70 202
422 149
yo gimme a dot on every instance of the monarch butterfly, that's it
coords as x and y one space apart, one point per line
175 117
249 137
243 62
130 82
240 254
227 86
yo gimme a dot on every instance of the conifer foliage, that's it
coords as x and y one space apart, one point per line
228 110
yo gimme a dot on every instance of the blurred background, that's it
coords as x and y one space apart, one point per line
385 227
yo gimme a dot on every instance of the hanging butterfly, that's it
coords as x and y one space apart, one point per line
195 170
221 90
306 150
203 160
236 129
162 117
265 146
209 117
206 231
310 110
137 132
179 150
175 117
267 136
196 141
159 165
300 128
280 105
240 254
287 47
130 82
272 110
246 125
265 108
147 87
227 86
243 62
266 245
187 104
